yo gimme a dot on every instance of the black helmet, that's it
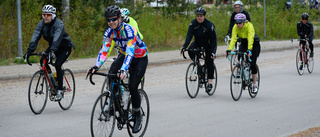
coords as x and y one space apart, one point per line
305 16
201 10
111 11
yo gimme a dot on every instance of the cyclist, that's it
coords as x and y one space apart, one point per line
53 31
205 36
133 56
129 20
305 30
250 43
238 7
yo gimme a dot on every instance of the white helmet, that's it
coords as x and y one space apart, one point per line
49 9
238 3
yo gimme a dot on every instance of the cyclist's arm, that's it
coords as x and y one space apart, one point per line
189 35
233 37
311 31
300 33
247 16
131 43
58 35
112 46
36 37
213 39
251 34
103 54
231 24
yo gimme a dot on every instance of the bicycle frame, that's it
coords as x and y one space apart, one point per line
242 62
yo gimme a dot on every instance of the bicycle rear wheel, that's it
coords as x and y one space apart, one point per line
192 80
214 81
310 64
38 92
236 83
144 110
300 62
253 95
102 121
69 89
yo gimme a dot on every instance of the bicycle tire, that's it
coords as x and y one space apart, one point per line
310 64
102 123
145 111
69 90
214 81
233 61
253 95
38 92
192 77
236 82
300 61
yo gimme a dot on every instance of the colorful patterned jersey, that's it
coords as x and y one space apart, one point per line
129 41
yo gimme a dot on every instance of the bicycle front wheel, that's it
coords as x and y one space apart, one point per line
102 121
145 112
214 81
69 89
236 83
310 64
38 92
300 62
192 80
253 95
234 61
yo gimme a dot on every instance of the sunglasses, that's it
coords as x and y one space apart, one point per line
238 23
112 19
48 15
304 19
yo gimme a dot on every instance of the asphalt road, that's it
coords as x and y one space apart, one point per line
286 103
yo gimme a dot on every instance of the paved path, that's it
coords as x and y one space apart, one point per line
155 58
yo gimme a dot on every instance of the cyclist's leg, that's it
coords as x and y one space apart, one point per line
311 48
137 70
255 54
62 56
115 66
209 63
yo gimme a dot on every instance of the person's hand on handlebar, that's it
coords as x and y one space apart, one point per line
123 74
227 53
182 49
91 70
249 53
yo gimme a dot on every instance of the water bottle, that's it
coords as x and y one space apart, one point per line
246 73
55 78
125 97
51 77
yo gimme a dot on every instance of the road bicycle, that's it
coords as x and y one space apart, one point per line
302 58
109 108
42 82
196 75
241 77
233 58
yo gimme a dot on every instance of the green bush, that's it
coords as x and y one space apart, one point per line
163 28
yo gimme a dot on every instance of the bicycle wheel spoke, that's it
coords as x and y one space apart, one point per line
236 83
102 122
38 93
68 90
192 81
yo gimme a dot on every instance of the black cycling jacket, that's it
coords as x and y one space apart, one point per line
204 34
305 29
232 21
54 33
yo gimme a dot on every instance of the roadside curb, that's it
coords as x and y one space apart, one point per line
151 62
